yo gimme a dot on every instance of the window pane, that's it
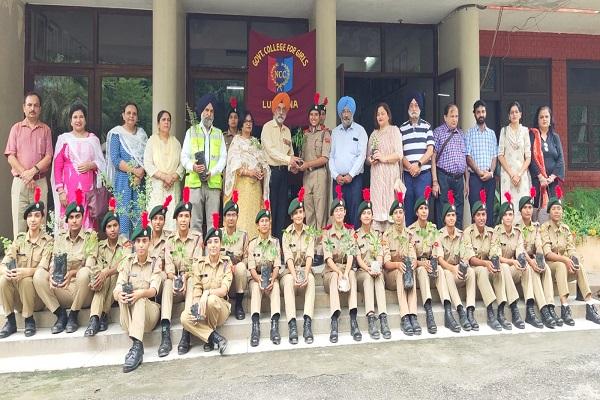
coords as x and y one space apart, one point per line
223 89
584 80
58 94
280 30
63 36
408 49
116 91
526 79
217 43
359 48
578 154
491 80
125 39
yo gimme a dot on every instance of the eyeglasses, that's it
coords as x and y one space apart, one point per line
248 120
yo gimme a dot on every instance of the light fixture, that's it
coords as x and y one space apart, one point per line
443 95
235 88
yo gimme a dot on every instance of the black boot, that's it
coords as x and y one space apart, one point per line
93 326
184 343
471 318
501 319
463 319
516 315
559 321
220 341
354 330
406 326
30 328
255 335
530 315
208 346
275 337
61 320
293 331
134 357
10 326
333 336
579 296
239 307
385 327
372 322
307 331
449 321
165 341
565 313
591 314
318 259
431 326
547 319
415 324
492 320
103 322
72 322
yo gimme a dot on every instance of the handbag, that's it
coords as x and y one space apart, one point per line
97 202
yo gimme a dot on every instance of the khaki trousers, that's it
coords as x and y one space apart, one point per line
20 296
454 283
315 197
204 199
21 197
330 283
217 311
372 287
543 289
256 298
424 282
139 317
484 278
240 279
103 298
514 275
168 298
290 290
76 295
407 299
563 276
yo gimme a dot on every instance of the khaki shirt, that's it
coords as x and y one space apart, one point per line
28 254
316 144
452 246
398 245
237 244
426 241
80 251
557 238
477 244
532 238
369 245
264 252
179 254
298 246
276 143
507 245
338 244
107 258
157 249
228 136
141 276
206 276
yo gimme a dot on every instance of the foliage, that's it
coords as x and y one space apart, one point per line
116 91
581 213
298 140
6 242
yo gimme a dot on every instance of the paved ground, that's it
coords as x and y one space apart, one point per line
533 366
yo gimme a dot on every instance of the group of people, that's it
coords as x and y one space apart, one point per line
377 239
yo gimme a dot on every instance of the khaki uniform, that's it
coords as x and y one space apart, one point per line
205 276
338 245
510 245
141 316
27 254
80 256
427 245
317 144
108 258
453 248
179 257
297 248
478 245
397 245
370 249
264 252
541 282
237 244
557 238
156 249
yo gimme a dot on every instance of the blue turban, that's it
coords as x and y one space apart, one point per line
344 102
418 96
205 100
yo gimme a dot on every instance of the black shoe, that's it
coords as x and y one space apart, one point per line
431 326
471 318
565 314
318 259
10 326
275 337
165 340
463 319
61 320
415 324
492 320
103 322
239 307
531 317
307 331
372 323
184 343
502 319
219 341
208 346
293 331
547 319
449 321
93 326
72 322
134 357
333 335
30 329
559 321
406 326
354 330
516 316
385 327
255 335
591 314
579 296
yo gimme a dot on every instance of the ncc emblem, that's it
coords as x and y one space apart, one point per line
281 74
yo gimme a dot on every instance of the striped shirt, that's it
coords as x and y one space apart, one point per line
415 139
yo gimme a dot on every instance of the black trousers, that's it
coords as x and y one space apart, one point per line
279 196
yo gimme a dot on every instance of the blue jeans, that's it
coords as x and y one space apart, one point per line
352 193
414 189
475 185
457 185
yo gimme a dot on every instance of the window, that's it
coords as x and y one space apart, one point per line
125 39
218 43
279 30
359 47
408 49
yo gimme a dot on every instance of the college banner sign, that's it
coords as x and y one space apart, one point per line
281 65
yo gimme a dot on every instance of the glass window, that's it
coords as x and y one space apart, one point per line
491 80
582 80
408 49
125 39
224 89
359 48
526 79
116 91
279 29
61 36
217 43
584 136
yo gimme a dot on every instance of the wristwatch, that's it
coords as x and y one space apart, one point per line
419 164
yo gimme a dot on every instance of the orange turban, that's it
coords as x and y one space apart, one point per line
281 97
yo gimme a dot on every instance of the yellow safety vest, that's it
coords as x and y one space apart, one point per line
192 180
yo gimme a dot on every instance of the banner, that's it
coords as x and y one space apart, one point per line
281 65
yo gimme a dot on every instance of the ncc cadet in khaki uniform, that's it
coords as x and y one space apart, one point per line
559 249
233 120
541 279
264 252
29 250
74 292
507 244
235 245
210 278
427 246
323 112
298 250
139 281
182 247
398 246
453 253
477 241
369 276
160 235
339 250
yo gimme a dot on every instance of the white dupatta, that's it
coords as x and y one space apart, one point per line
134 145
